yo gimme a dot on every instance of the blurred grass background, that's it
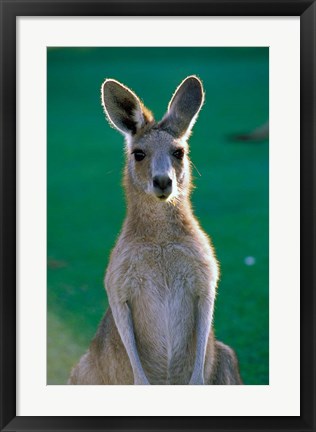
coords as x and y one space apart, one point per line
86 203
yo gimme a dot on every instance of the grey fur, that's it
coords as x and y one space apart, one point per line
162 276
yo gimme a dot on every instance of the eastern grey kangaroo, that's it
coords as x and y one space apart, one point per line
162 275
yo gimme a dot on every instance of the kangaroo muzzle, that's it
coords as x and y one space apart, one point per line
162 185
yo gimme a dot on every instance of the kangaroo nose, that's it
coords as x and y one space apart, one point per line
162 182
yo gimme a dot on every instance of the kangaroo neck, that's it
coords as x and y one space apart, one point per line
153 220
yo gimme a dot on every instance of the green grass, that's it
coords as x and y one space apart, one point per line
86 203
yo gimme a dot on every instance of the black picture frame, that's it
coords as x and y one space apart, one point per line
306 10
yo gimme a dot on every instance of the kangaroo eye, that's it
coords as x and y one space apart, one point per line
138 155
179 153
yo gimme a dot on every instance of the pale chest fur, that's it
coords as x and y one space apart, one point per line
162 283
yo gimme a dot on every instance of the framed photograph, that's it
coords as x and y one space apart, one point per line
157 215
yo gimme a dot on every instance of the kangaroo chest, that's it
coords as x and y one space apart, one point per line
164 272
163 293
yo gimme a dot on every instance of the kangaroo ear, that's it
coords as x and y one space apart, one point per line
123 108
184 107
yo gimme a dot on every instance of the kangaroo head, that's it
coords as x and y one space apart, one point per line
157 152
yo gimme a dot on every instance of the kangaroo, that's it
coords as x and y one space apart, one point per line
162 275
